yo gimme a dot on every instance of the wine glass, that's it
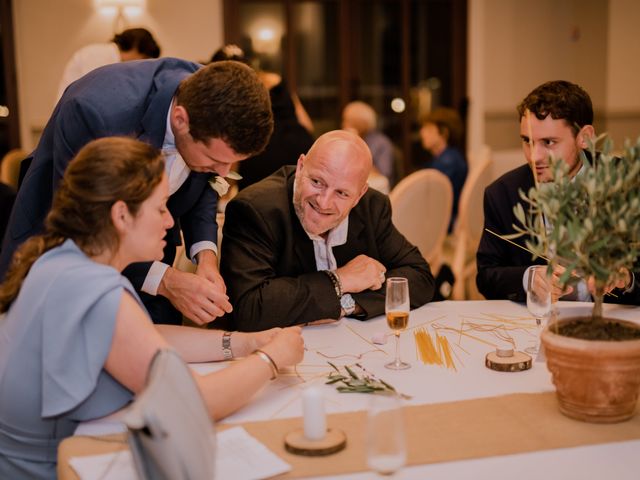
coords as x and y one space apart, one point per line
538 301
386 446
397 309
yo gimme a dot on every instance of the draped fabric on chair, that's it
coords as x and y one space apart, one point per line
470 222
421 210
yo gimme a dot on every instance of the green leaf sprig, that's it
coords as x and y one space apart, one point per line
352 383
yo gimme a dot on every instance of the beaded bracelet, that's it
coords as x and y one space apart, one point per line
268 360
335 279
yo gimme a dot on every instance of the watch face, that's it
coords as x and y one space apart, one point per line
348 304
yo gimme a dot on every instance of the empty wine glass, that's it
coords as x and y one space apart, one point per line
386 446
397 310
538 302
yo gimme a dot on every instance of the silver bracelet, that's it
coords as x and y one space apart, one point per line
227 354
269 361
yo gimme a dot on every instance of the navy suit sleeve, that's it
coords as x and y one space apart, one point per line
499 274
199 223
77 123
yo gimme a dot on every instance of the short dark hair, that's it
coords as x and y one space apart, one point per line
563 101
139 39
449 124
227 100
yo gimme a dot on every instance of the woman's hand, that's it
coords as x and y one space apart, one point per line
286 348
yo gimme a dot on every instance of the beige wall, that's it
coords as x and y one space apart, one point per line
526 42
48 32
623 71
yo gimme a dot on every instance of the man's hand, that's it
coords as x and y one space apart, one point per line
196 297
208 268
556 290
322 321
623 282
360 274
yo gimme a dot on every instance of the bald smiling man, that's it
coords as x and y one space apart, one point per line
311 244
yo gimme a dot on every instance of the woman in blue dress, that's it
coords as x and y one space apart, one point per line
76 342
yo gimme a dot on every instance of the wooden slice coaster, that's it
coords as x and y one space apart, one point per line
518 362
334 441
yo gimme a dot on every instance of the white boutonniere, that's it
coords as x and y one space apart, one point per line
220 184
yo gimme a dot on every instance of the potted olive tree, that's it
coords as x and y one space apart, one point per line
590 224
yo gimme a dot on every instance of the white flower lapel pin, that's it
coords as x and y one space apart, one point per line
220 184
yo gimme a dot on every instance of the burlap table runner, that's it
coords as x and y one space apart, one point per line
445 432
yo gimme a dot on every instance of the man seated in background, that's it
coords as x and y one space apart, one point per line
555 120
441 135
311 243
360 118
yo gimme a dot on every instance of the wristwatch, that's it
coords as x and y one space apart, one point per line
227 354
348 304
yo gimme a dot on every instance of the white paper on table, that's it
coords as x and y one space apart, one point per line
239 456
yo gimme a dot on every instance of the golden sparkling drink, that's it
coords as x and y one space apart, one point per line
397 321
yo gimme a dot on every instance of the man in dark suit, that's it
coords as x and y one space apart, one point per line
555 120
204 120
312 244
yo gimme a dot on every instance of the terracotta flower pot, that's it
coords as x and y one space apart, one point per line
596 381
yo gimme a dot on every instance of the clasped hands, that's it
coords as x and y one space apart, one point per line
359 274
199 296
542 284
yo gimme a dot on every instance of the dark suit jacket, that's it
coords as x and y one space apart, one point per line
269 265
132 99
501 265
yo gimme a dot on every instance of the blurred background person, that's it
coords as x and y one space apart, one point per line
360 118
441 135
131 44
292 126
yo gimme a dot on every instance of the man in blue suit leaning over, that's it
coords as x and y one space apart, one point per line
203 118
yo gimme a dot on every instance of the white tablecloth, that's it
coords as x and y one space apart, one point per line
489 322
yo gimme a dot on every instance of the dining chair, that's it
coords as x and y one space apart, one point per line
469 225
421 211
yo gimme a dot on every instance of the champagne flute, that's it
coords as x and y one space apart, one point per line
397 310
538 301
386 445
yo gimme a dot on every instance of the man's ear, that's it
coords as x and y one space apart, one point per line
179 119
585 136
300 164
120 216
365 187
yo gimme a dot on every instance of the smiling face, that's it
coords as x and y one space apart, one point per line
143 239
552 137
330 180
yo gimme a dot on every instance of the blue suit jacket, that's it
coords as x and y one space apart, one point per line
131 99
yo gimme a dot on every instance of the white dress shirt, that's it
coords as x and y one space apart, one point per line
177 173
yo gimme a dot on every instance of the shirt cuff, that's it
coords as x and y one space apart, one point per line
154 277
525 278
198 247
582 290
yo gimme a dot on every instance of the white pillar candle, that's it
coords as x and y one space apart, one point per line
315 420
